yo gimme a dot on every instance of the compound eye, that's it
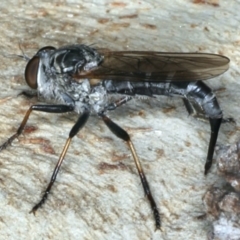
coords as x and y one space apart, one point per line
31 72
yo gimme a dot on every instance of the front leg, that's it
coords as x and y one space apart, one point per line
40 108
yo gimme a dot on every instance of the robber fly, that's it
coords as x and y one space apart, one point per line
82 79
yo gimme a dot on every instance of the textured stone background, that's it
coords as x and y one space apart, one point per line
98 194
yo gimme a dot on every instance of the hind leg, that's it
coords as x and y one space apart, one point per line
202 103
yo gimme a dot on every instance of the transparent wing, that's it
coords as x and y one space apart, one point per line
157 66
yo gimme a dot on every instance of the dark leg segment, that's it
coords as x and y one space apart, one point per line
75 129
215 124
41 108
119 132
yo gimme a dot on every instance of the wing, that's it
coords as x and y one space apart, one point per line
157 66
